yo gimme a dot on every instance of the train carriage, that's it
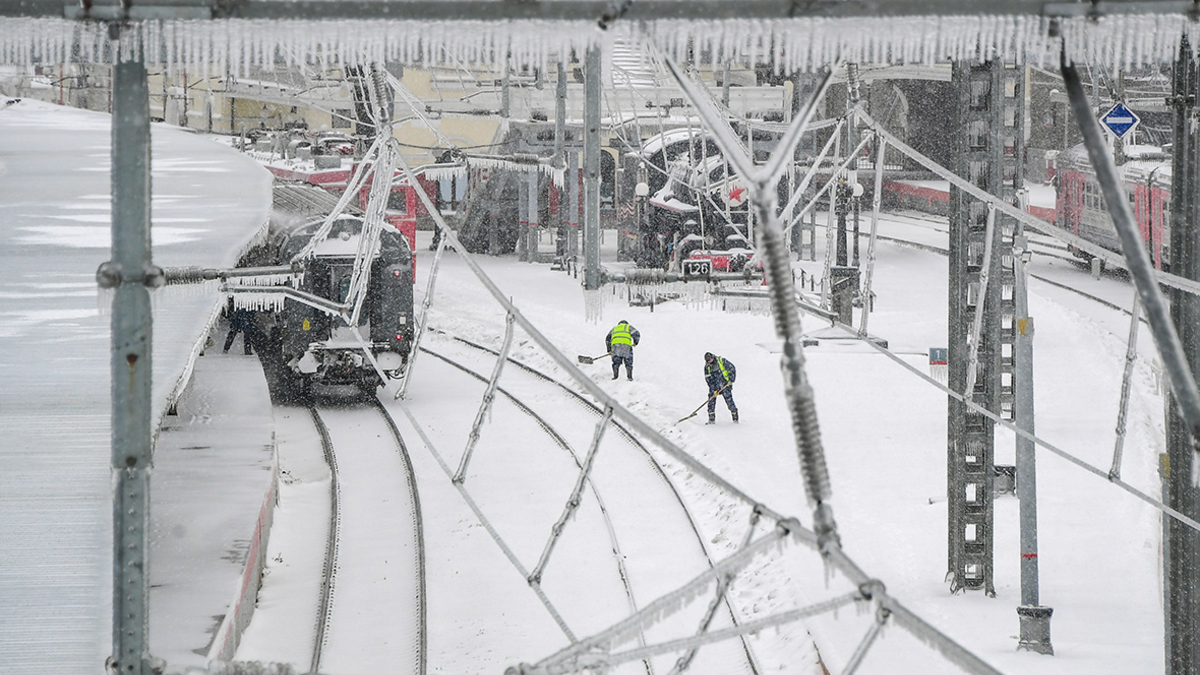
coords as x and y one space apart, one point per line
1146 179
311 344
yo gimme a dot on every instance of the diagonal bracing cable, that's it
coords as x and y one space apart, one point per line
860 652
670 602
423 318
594 661
976 408
573 501
798 392
1135 314
976 335
485 405
486 523
869 271
685 661
1158 316
819 541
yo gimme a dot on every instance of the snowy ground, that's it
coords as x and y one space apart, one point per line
883 430
884 434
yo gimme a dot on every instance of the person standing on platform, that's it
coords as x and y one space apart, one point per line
242 321
620 343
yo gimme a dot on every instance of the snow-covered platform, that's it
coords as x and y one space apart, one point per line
212 499
209 203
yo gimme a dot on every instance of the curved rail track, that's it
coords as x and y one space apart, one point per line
371 616
748 661
1043 246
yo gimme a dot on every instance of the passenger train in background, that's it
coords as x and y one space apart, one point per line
1081 208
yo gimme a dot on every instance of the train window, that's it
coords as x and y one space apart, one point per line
398 201
339 281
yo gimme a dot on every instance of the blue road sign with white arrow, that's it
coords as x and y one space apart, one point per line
1120 120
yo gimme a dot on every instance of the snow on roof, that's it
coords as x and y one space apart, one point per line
657 143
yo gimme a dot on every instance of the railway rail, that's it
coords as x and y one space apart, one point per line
1041 245
527 385
364 594
372 617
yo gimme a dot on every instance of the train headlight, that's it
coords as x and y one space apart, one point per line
389 360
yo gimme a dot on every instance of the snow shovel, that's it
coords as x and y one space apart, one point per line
592 359
701 406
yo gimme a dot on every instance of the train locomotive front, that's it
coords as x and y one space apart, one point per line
320 347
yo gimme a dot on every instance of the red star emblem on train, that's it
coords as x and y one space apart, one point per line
736 196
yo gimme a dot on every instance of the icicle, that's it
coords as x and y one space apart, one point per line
593 306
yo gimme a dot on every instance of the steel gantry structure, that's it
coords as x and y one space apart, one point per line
990 108
132 274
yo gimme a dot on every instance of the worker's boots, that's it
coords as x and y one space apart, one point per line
734 413
712 418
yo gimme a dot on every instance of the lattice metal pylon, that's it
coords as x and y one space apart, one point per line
990 104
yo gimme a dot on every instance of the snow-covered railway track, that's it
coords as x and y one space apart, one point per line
622 469
371 615
1046 248
1040 244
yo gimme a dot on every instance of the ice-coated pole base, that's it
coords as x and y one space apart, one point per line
1035 628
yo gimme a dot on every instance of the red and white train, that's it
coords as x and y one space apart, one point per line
1147 180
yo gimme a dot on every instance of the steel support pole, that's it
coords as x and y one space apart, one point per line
591 171
505 93
1181 550
1034 619
560 115
560 161
573 199
130 273
533 228
852 99
522 219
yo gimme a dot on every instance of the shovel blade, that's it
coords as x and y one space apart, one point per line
586 359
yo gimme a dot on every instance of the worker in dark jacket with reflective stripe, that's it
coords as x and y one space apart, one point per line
619 343
720 374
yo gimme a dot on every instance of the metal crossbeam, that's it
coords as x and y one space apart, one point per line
601 11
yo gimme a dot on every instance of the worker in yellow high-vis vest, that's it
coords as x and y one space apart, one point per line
620 342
